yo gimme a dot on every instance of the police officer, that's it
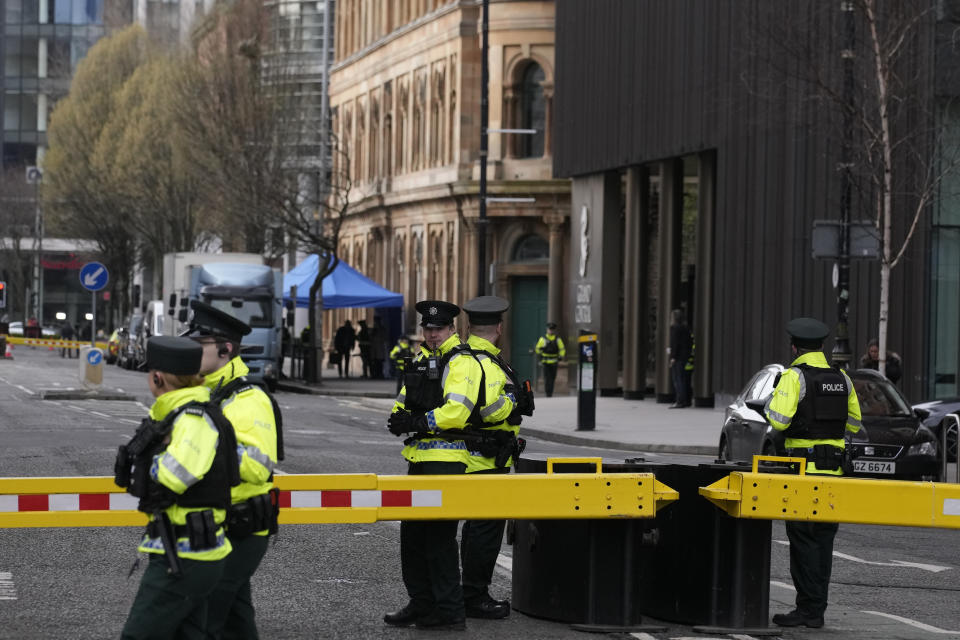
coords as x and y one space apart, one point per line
480 540
400 352
551 350
182 476
252 515
813 405
439 394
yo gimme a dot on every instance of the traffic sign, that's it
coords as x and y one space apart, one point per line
34 175
94 276
94 356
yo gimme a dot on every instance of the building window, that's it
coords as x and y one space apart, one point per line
533 111
531 248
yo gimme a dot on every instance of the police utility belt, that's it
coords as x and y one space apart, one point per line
259 513
497 444
200 529
825 456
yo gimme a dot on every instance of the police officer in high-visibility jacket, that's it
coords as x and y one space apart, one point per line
182 477
439 394
252 514
814 405
551 350
492 452
398 356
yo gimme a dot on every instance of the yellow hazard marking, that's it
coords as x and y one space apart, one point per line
53 342
770 496
589 337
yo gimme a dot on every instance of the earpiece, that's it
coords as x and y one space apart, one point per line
157 380
223 350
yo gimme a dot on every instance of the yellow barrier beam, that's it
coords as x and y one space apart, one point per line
771 496
361 498
56 343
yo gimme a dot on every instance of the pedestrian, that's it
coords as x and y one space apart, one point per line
285 347
363 342
551 350
680 352
398 356
378 349
252 516
814 405
344 341
871 360
68 334
180 463
494 451
439 394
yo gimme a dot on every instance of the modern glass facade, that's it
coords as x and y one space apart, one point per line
945 268
43 40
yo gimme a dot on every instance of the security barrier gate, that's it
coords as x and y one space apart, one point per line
770 496
363 498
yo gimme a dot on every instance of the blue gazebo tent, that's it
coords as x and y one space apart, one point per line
343 288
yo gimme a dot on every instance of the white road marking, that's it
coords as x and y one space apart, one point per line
361 533
933 568
7 589
913 623
505 563
103 415
642 635
23 388
783 585
741 636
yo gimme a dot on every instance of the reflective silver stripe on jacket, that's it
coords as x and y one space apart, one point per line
490 409
254 453
853 421
173 466
803 383
459 397
446 369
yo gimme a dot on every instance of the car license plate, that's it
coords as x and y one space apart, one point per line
873 466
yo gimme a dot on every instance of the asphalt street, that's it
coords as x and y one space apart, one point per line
336 581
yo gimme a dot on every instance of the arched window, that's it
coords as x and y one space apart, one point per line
531 248
533 111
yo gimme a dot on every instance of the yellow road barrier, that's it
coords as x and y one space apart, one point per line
361 498
56 343
772 496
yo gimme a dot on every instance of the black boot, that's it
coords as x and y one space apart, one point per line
488 608
797 618
440 622
405 617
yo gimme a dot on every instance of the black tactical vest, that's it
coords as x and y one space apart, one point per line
424 387
551 347
822 413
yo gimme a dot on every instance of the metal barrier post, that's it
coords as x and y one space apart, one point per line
945 449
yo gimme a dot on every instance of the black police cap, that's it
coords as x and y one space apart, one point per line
551 325
807 332
175 355
437 313
207 320
486 310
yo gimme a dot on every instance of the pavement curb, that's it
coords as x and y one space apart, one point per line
83 394
570 438
327 391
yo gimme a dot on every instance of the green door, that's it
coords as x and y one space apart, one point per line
528 319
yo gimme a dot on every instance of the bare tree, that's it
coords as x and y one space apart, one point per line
886 112
17 218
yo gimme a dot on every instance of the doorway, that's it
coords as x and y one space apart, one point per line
528 318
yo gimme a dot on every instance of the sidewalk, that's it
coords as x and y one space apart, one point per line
641 424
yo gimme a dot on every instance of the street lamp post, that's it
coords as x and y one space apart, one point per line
484 140
841 346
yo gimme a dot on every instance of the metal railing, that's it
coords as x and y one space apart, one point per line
945 430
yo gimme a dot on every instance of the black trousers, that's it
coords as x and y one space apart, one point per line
811 561
549 376
480 542
230 611
681 382
169 607
428 554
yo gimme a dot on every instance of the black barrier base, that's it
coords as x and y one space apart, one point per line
765 631
692 564
606 628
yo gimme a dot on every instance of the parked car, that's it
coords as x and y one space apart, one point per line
941 416
892 443
113 346
127 351
16 329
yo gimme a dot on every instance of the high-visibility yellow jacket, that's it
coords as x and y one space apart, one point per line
397 354
782 406
185 461
499 404
546 353
461 386
250 412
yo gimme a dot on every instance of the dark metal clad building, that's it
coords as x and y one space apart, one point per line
704 138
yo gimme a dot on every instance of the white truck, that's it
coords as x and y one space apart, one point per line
239 284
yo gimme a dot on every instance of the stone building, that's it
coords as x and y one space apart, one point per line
405 107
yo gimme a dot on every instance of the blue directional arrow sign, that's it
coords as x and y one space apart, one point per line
94 356
94 276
